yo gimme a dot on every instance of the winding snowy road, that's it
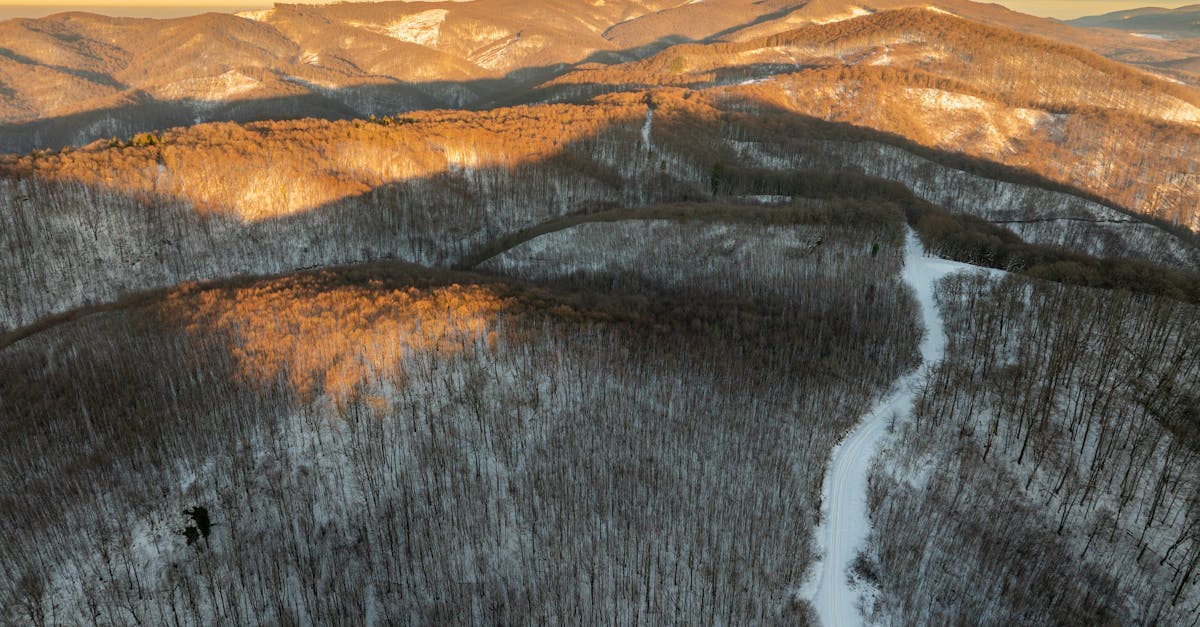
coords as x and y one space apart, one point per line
844 521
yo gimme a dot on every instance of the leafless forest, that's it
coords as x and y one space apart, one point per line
432 447
582 352
90 226
1049 473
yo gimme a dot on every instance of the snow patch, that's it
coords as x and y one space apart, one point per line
493 56
258 16
841 17
767 199
422 28
946 100
1033 117
646 129
1181 112
232 83
211 88
884 58
972 119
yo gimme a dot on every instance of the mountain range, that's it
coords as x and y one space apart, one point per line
75 77
1178 23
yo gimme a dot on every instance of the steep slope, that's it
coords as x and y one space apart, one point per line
45 68
71 78
162 73
694 21
584 359
1175 30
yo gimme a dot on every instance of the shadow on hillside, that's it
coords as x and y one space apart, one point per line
699 141
442 218
584 91
148 114
702 142
93 77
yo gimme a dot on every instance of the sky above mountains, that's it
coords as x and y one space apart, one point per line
1069 9
1062 9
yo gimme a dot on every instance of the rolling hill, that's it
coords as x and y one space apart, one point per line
71 78
1182 22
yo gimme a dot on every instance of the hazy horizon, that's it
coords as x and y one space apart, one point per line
10 11
1061 9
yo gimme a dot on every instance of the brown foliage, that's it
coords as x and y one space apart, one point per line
271 169
331 339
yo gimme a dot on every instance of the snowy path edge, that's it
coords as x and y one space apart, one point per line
844 517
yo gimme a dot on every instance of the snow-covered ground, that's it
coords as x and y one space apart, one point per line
646 127
844 519
261 15
1038 215
423 28
841 17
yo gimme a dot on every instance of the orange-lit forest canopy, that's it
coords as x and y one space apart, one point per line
1058 111
1025 70
942 82
269 169
322 337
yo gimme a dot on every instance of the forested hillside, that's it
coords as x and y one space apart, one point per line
90 225
388 441
943 82
627 312
72 78
1051 463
